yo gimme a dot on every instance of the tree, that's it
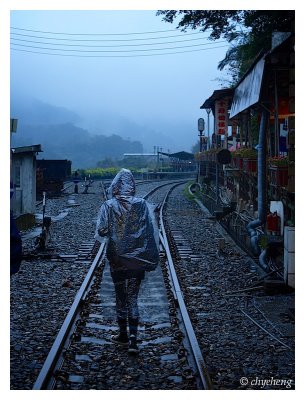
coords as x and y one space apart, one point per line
196 147
249 31
107 163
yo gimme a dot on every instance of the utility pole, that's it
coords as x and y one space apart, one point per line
208 110
200 129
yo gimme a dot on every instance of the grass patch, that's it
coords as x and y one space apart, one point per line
186 192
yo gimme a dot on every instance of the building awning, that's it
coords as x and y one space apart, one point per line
217 95
247 93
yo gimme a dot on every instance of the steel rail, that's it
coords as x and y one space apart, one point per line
160 186
67 186
45 379
201 366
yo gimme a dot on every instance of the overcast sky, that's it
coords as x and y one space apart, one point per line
102 61
131 75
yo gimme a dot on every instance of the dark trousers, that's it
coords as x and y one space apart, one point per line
127 285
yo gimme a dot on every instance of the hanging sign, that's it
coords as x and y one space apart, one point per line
221 117
247 92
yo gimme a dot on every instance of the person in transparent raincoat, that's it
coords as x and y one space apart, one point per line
133 248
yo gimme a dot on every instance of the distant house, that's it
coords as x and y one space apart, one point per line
23 176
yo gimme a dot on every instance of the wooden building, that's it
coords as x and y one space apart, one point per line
23 177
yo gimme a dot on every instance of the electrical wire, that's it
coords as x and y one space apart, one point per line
100 34
107 56
120 45
107 51
18 44
108 40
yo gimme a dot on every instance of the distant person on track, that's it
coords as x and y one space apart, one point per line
133 248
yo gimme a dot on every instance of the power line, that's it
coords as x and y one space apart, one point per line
105 40
120 45
116 56
108 51
92 34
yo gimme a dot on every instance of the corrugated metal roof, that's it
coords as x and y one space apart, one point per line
247 91
35 148
139 154
217 94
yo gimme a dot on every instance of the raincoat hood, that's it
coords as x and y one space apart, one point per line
123 184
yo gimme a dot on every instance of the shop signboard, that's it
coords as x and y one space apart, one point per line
221 117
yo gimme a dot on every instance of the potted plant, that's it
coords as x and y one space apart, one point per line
279 161
249 157
210 155
248 153
250 160
278 171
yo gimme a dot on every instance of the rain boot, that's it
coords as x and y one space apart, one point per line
133 329
122 337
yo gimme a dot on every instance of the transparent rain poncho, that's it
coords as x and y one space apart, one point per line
129 224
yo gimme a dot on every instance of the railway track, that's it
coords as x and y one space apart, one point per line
214 277
82 354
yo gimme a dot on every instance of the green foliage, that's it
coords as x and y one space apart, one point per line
245 152
221 22
107 162
279 161
104 173
212 150
229 23
195 148
249 31
186 192
101 173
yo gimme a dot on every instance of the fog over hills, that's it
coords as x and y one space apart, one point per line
86 139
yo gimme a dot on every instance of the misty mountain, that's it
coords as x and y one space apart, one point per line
67 141
175 136
57 130
91 136
33 111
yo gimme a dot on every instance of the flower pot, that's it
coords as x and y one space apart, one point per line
278 175
250 165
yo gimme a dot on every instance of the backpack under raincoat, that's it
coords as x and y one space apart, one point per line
129 224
